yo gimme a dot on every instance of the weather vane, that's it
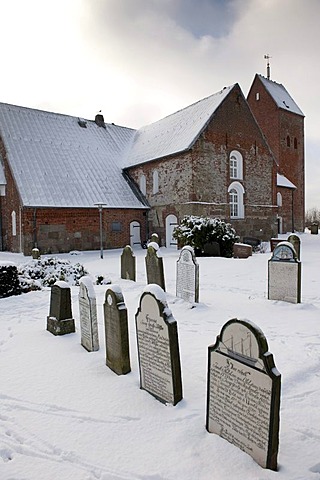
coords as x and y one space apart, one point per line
267 57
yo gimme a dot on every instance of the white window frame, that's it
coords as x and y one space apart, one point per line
143 184
236 193
279 199
155 181
236 165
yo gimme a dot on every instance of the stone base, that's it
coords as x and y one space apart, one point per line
60 327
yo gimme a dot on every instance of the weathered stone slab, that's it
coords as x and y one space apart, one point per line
116 331
241 250
88 315
187 283
243 392
295 241
158 347
59 320
154 266
284 274
128 264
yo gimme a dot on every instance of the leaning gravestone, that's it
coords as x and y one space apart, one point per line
243 392
295 240
116 331
88 315
128 264
154 266
158 347
59 320
284 274
187 286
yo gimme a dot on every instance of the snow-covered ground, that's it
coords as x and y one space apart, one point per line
65 415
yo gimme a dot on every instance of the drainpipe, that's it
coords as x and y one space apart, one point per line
1 236
35 242
292 220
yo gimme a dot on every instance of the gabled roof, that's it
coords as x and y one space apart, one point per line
283 181
280 96
175 133
57 163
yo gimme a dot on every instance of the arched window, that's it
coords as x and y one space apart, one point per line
295 143
236 192
155 178
236 165
288 141
279 199
143 184
14 223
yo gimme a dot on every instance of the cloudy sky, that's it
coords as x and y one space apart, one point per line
140 60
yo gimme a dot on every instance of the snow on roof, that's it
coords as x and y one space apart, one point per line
282 181
174 133
280 96
58 163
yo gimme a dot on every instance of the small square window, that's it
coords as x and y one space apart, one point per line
116 226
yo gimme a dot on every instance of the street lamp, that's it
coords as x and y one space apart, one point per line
100 205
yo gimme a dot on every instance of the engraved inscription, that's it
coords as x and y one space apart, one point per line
186 281
283 281
239 405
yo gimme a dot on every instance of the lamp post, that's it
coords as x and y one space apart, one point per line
100 206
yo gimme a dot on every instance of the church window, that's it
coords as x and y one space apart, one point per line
236 192
295 143
14 223
257 96
155 178
279 199
236 165
288 141
143 184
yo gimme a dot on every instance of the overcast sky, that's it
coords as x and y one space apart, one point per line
140 60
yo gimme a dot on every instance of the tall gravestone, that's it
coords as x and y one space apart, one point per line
116 331
128 264
88 315
187 283
154 266
158 347
295 241
284 274
243 392
59 320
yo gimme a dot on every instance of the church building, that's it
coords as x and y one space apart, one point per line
66 183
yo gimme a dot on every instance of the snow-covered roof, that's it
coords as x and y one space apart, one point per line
282 181
174 133
280 96
58 163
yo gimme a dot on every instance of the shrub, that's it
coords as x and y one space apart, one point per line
9 280
197 231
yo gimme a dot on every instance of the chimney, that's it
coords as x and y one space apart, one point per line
100 120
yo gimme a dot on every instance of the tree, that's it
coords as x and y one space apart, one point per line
197 231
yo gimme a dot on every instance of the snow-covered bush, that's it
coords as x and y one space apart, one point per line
45 272
9 280
197 231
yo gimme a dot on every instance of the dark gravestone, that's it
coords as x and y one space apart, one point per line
314 229
154 266
35 253
274 242
88 315
241 250
243 392
59 320
155 238
295 241
116 331
158 347
284 274
187 286
128 264
211 249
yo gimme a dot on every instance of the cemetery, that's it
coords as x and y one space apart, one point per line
215 377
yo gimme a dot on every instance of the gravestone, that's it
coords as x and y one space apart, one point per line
241 250
154 266
274 242
314 228
284 274
35 253
116 331
88 315
128 264
59 320
295 240
187 286
158 347
155 238
243 392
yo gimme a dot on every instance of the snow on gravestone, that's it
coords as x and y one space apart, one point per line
187 286
88 315
116 331
128 264
59 320
158 347
154 266
243 392
284 274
